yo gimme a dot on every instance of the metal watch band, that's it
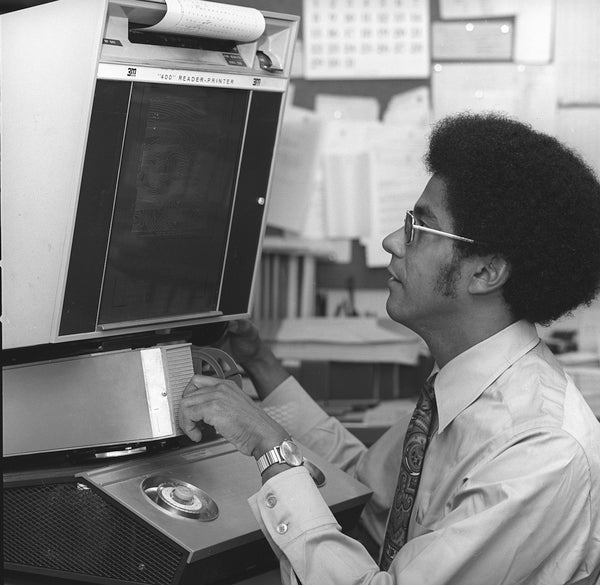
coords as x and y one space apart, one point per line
269 458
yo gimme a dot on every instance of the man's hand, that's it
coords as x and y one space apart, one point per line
232 413
245 343
247 349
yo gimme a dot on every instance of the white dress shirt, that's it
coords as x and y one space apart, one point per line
509 493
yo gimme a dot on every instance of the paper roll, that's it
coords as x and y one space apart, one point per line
210 19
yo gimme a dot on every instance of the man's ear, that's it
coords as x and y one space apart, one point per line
489 275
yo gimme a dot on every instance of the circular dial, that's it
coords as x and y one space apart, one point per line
291 453
177 498
180 498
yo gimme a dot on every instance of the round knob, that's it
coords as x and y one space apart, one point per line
183 495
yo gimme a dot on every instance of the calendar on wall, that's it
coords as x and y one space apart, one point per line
366 39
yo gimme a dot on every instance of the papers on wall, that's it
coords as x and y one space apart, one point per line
347 194
533 22
340 174
580 129
314 225
578 51
525 92
366 39
472 41
397 180
345 165
409 108
535 27
373 172
340 208
295 168
345 107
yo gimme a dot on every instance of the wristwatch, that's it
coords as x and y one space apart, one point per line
287 452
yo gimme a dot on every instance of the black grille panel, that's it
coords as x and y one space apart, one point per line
68 527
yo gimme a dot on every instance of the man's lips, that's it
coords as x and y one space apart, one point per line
394 275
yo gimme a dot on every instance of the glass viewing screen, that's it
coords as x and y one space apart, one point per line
174 199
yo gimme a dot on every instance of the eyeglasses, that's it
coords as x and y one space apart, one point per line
410 227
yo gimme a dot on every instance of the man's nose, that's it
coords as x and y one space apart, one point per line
394 242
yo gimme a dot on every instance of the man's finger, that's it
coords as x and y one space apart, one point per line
189 417
188 426
193 432
198 381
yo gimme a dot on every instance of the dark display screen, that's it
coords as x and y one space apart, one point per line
169 219
175 191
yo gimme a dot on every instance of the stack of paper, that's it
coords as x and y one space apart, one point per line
356 339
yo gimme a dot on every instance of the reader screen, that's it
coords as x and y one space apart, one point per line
177 179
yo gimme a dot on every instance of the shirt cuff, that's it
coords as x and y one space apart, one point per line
288 505
291 406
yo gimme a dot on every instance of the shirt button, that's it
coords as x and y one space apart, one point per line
282 528
271 501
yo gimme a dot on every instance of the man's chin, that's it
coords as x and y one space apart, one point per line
396 315
402 320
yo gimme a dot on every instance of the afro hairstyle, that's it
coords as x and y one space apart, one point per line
531 199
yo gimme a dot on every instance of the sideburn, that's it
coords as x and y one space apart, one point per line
448 276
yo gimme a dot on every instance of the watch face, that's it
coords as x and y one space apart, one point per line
291 453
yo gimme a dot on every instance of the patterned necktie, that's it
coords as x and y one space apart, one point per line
413 454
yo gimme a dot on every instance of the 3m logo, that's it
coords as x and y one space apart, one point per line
131 71
256 80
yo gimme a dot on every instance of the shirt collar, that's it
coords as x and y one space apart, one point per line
462 380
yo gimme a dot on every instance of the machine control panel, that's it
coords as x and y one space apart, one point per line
180 498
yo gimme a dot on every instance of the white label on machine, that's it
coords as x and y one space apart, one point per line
188 77
159 408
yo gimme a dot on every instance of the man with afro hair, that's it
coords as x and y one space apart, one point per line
496 478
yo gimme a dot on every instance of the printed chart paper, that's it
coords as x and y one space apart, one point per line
210 19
